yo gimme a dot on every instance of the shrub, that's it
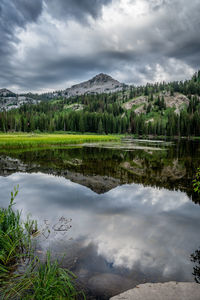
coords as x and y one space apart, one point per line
196 182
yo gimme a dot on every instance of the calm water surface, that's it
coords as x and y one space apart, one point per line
119 214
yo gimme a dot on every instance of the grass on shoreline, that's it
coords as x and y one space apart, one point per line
40 281
43 281
15 239
15 140
20 140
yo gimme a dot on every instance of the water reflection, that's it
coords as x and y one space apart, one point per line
130 234
103 167
129 205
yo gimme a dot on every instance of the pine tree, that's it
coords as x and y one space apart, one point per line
100 127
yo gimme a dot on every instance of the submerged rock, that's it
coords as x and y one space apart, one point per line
108 283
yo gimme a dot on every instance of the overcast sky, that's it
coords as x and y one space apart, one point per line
51 44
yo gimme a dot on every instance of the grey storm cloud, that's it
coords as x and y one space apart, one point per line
48 44
16 13
75 9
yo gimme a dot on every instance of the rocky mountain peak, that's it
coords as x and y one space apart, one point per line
101 83
102 78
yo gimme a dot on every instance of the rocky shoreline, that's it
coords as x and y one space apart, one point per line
162 291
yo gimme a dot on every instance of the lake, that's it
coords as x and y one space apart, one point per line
119 213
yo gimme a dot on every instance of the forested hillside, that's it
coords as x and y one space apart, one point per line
171 109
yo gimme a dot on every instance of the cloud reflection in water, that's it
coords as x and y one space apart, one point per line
142 229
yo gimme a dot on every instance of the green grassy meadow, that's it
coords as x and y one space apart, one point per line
16 140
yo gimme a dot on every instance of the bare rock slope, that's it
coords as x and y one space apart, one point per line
177 101
101 83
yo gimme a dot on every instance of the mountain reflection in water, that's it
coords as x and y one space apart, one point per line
140 227
102 167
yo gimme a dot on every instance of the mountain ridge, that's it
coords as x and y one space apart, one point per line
100 83
6 92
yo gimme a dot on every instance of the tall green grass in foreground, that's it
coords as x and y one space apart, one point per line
15 239
43 140
39 281
47 282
